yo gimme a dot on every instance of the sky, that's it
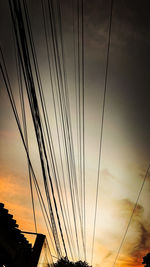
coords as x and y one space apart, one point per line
126 144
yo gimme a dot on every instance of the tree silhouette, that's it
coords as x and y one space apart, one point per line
146 260
64 262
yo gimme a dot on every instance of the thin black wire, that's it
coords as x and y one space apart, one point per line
50 252
80 110
83 133
50 141
33 104
13 105
76 51
76 90
46 37
40 142
79 106
59 79
102 124
20 85
76 80
45 155
61 101
71 141
132 214
43 106
68 115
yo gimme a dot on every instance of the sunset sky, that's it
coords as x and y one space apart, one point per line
126 133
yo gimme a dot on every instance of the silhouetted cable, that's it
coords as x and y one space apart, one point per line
41 142
17 13
46 37
76 82
102 123
68 118
44 150
76 91
79 106
58 77
132 214
80 111
13 105
83 133
20 85
62 106
48 130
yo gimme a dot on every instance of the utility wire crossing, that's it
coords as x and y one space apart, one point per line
64 211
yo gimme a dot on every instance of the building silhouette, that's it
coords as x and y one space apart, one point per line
15 250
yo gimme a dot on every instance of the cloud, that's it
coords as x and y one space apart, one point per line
109 254
129 26
137 241
10 187
112 226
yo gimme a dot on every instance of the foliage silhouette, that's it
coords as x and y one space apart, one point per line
64 262
146 260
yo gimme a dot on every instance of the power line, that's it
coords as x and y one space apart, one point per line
68 117
49 64
102 123
83 119
20 85
26 65
62 103
131 217
48 130
13 105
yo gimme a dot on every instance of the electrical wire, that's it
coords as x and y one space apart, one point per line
20 85
102 124
131 217
34 110
13 105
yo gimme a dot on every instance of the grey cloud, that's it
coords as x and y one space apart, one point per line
128 23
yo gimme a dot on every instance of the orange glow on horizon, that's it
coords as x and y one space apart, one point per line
12 194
